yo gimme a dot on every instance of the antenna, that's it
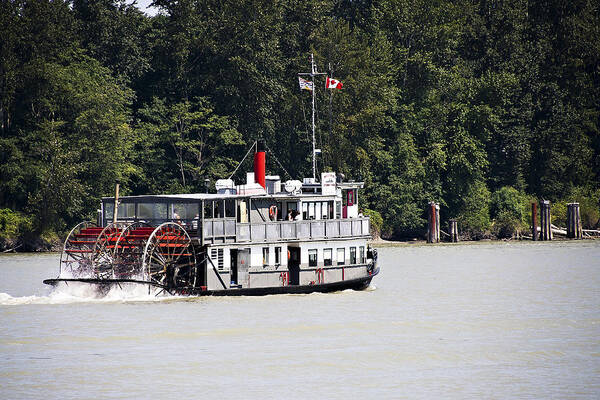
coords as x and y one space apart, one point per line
313 72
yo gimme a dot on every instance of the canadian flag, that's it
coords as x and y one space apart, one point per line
333 84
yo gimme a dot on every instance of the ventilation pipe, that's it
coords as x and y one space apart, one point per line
259 168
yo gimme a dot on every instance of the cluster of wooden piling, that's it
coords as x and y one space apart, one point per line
574 227
433 225
545 232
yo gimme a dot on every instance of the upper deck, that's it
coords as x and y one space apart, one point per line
310 211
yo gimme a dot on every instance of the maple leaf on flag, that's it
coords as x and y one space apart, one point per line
333 84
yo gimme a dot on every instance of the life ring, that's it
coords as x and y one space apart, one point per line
273 213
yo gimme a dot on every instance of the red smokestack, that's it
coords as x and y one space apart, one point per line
259 168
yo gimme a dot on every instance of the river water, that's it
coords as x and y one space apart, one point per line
494 320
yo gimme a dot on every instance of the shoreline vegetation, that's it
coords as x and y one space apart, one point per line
29 242
481 107
44 246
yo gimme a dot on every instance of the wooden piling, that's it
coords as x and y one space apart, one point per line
437 222
579 225
116 209
453 228
433 226
534 221
574 229
545 220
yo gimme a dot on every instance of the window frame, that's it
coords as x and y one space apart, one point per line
278 255
352 255
337 258
328 261
314 252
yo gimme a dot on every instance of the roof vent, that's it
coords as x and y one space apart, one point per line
225 186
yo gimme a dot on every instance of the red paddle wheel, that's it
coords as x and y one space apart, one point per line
163 256
169 258
77 255
104 249
129 248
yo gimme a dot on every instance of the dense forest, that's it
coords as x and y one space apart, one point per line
482 106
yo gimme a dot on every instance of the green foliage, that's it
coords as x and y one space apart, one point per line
509 201
181 144
376 222
589 207
14 224
442 100
507 211
474 217
558 213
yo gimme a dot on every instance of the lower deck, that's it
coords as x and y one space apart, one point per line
283 264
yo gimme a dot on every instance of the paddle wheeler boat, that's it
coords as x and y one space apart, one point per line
260 237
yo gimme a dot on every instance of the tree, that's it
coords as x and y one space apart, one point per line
190 133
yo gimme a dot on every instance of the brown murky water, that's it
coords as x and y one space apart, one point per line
518 320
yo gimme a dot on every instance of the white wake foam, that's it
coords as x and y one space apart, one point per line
84 293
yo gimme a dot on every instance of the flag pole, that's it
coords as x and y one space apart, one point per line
313 73
314 155
330 75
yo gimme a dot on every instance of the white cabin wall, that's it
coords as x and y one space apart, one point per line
269 275
333 273
255 257
212 281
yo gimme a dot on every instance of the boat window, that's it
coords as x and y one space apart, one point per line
344 197
312 257
352 255
327 253
292 206
279 211
219 212
341 256
126 210
277 255
108 211
230 208
324 210
338 209
330 209
184 211
152 210
265 252
305 211
311 210
208 209
362 254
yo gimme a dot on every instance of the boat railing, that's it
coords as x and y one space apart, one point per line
228 231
